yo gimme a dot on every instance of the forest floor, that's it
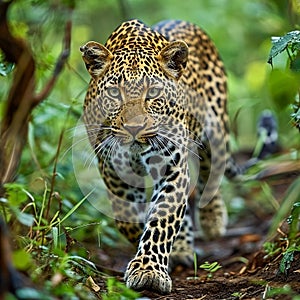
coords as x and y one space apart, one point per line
247 271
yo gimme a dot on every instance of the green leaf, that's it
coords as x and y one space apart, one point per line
281 43
295 46
21 259
295 63
295 116
71 211
16 194
210 267
276 291
55 236
291 197
293 220
214 267
283 86
23 218
286 262
195 264
30 293
117 290
6 68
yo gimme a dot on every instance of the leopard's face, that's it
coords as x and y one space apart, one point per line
134 111
134 95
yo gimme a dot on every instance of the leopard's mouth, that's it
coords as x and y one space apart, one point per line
137 146
142 140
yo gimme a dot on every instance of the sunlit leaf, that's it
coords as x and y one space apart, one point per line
256 75
118 290
291 197
23 218
15 194
21 259
281 43
283 87
55 236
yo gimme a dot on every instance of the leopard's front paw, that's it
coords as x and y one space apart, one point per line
140 276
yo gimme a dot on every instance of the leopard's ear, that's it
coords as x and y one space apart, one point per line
97 58
173 58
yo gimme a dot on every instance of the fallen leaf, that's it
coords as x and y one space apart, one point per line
91 283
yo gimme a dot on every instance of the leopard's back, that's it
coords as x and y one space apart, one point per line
205 71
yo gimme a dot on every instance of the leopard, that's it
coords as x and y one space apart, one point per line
156 117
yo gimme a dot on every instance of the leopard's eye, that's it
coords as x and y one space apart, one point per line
113 92
153 92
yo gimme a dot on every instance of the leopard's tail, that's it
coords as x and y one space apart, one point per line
267 133
267 139
267 144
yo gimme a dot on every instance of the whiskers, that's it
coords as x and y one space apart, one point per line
168 136
106 150
89 142
98 142
102 141
77 137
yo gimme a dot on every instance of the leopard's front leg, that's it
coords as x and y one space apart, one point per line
149 268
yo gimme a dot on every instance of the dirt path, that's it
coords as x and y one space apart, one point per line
245 274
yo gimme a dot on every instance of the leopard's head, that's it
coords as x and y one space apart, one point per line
135 95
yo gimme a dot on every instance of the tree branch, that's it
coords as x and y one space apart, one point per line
22 97
59 64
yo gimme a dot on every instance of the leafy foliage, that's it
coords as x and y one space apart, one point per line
289 81
290 41
296 114
270 292
47 213
118 291
294 241
294 220
5 67
211 268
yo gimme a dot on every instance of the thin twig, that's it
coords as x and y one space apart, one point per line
58 68
59 64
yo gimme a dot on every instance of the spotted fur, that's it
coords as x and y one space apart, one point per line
157 96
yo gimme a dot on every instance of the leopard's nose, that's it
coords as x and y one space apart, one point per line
134 129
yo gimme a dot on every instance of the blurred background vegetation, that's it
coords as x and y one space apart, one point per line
242 31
